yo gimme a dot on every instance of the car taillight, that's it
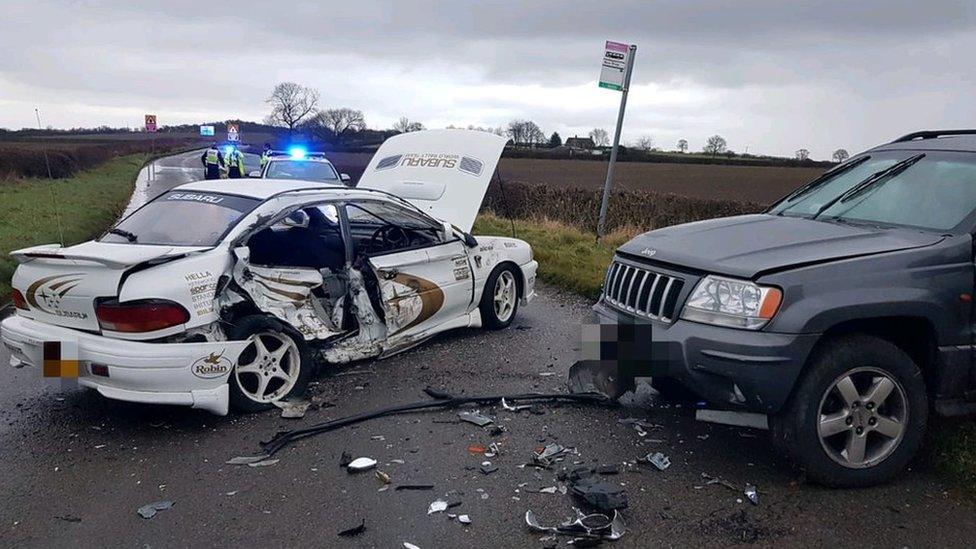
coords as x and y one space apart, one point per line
19 301
147 315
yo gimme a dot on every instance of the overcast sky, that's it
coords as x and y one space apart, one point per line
769 76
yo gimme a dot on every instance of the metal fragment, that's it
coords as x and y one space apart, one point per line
246 460
752 493
293 409
437 506
474 417
658 460
149 510
263 463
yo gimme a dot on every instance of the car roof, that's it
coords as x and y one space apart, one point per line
320 159
255 188
932 141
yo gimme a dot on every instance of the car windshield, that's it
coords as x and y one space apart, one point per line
182 219
301 169
936 192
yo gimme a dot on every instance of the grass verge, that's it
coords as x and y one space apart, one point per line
87 203
568 257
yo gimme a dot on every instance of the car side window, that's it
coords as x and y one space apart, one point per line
380 227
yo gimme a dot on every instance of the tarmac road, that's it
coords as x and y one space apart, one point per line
77 466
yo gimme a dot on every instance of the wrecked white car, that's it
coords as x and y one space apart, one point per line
219 295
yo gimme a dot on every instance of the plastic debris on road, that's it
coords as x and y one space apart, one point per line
752 494
658 460
600 494
709 480
149 510
246 460
464 519
263 463
409 546
293 409
475 417
592 527
361 464
355 530
516 408
437 506
384 477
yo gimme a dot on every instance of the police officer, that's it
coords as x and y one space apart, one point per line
235 164
213 161
265 156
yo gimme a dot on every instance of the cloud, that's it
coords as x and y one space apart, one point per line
767 75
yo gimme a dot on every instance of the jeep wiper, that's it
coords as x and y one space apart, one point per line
870 181
123 233
824 177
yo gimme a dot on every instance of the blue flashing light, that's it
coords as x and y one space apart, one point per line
297 153
228 149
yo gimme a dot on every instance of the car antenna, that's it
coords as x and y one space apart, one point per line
47 163
501 186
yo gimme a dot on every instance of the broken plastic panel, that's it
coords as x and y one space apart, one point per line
596 525
361 464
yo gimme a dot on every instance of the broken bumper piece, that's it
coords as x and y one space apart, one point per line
186 374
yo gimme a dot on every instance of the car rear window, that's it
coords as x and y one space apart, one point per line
182 218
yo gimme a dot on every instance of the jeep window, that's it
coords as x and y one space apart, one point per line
937 192
807 204
182 218
301 169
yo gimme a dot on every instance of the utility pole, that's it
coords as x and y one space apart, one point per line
601 225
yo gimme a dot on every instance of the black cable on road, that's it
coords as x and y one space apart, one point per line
441 401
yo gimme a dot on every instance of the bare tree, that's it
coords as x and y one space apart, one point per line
534 135
802 154
291 104
683 145
517 131
841 155
644 143
715 145
339 121
600 137
404 125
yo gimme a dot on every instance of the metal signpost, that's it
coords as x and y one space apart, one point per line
618 64
233 132
151 128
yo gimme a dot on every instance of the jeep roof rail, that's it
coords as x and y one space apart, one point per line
932 134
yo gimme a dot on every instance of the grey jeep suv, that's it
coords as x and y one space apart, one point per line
844 312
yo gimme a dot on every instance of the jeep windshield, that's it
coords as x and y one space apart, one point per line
936 191
301 169
182 219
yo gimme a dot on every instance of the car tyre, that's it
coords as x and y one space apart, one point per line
833 429
500 300
277 365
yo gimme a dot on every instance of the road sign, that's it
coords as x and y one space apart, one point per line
233 132
616 57
151 123
207 130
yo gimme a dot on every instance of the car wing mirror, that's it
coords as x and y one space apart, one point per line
344 177
255 174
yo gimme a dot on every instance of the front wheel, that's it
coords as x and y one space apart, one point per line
275 365
858 414
500 300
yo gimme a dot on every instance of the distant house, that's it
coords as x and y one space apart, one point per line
579 143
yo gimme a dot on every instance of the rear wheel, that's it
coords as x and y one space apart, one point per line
275 365
500 300
858 415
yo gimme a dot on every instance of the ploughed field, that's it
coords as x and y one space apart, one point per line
757 184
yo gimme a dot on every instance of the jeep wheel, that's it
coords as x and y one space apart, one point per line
858 414
275 365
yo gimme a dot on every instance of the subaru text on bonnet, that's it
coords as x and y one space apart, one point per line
216 295
843 312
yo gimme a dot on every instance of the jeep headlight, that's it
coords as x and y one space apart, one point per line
730 302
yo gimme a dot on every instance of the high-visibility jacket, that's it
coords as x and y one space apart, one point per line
213 157
236 160
265 156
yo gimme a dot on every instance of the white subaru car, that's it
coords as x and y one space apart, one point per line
217 295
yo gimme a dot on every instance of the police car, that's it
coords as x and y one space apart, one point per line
219 297
298 163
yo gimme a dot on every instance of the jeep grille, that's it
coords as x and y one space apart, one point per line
642 292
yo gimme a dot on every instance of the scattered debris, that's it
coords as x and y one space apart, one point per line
438 506
510 408
607 470
496 430
475 417
548 490
410 546
477 449
464 519
709 480
752 494
246 460
488 468
600 494
361 464
385 478
593 527
149 510
414 487
262 463
293 409
550 454
658 460
355 530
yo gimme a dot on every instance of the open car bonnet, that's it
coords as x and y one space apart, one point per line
445 173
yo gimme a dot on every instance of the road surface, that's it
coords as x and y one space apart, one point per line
76 466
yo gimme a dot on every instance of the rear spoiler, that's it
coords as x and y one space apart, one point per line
57 252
